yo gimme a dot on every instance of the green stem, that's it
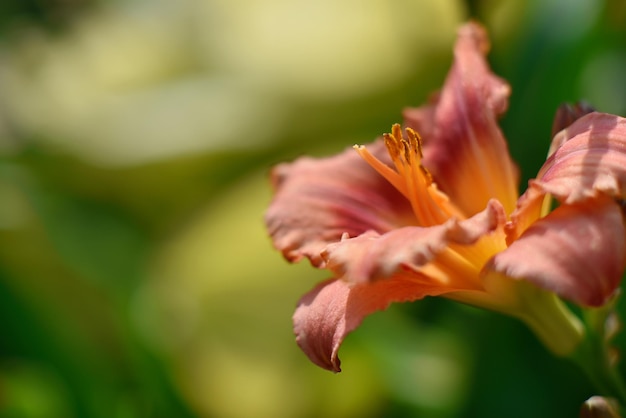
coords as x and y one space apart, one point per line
553 323
594 357
586 342
542 311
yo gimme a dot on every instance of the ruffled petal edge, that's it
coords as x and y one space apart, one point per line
372 256
334 308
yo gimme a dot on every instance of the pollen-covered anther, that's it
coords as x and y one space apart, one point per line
392 147
407 152
416 141
398 146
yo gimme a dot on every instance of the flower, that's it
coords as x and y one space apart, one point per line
404 217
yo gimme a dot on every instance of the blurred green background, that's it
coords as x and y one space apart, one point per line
136 278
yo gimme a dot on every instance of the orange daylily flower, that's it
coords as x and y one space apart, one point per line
411 216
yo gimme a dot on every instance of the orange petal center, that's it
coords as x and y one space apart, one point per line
457 266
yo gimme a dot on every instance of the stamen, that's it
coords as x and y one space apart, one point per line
411 178
416 141
391 176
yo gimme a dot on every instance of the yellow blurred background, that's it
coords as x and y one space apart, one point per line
136 275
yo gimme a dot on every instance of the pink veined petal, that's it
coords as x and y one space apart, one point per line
587 159
331 310
318 200
373 256
576 251
590 160
464 147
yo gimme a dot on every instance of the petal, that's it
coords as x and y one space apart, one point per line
576 251
591 160
331 310
530 207
372 256
586 159
464 147
318 200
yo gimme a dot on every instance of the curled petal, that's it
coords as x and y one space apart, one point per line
576 251
465 149
590 160
331 310
372 256
318 200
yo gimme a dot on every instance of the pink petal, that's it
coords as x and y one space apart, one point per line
587 159
530 207
590 160
331 310
373 256
576 251
465 149
318 200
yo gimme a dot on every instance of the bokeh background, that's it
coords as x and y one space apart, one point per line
136 136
